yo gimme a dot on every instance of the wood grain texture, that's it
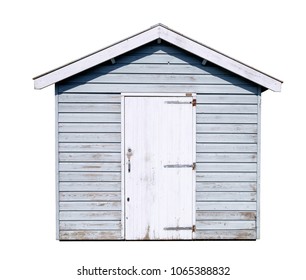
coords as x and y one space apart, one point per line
222 206
225 89
90 157
89 147
89 176
90 215
227 167
89 117
89 127
89 137
90 142
226 138
226 234
90 235
226 176
226 186
93 166
229 225
227 148
89 196
106 97
225 153
226 215
92 206
226 196
90 225
90 186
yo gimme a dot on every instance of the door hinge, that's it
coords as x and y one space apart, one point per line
194 102
193 228
194 165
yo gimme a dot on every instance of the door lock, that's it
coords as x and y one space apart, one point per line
129 154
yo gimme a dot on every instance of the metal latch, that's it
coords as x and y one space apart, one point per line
193 228
193 166
178 166
177 102
178 228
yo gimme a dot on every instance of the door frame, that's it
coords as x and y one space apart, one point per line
123 157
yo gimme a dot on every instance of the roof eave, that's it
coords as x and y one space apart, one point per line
144 37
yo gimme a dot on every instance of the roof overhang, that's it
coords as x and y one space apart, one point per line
142 38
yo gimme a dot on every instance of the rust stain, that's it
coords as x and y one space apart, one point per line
249 215
243 235
147 236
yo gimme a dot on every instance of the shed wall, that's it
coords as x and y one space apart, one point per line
89 135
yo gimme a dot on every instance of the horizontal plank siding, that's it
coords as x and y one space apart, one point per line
85 166
90 225
90 235
229 205
90 157
226 215
223 89
161 78
89 148
226 138
74 215
226 196
226 128
93 206
239 234
89 196
89 137
216 225
89 166
226 148
226 108
226 186
89 107
90 186
226 176
89 176
89 117
227 167
86 98
229 99
226 118
222 154
89 127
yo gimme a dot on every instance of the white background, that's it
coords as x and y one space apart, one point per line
37 36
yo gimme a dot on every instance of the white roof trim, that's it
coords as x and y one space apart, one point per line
155 32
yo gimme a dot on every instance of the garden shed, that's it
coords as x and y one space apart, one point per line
157 138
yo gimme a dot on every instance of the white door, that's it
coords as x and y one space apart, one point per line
159 147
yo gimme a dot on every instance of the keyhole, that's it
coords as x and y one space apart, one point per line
128 199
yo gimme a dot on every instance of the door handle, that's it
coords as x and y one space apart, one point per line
129 154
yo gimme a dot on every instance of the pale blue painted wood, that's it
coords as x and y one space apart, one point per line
142 88
90 225
90 186
226 234
89 150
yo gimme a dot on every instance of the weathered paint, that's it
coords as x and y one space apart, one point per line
90 135
158 32
159 182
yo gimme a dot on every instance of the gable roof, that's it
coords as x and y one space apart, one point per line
158 31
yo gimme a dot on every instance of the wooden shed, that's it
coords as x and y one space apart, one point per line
157 138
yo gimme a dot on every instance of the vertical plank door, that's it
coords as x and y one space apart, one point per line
158 149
